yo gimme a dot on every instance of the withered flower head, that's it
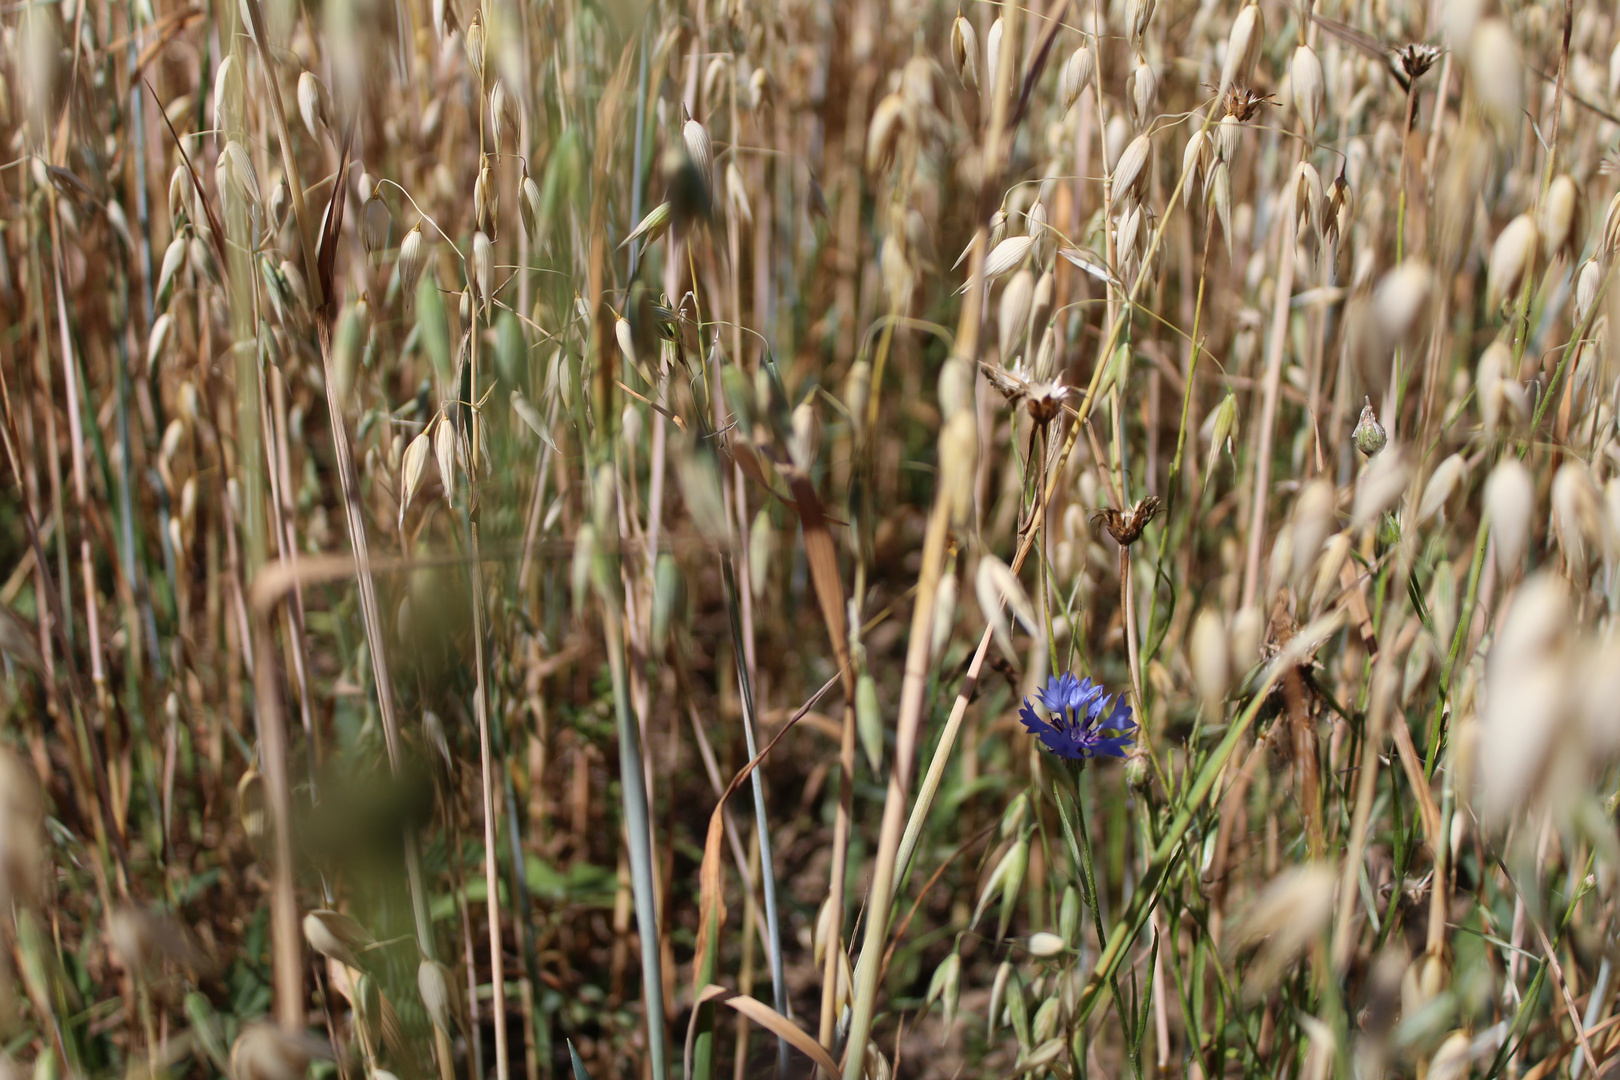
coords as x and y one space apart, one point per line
1126 526
1043 399
1243 102
1416 58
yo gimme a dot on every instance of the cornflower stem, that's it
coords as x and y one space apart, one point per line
1078 837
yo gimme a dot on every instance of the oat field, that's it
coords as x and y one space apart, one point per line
859 538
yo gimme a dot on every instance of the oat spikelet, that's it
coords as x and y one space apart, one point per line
1560 217
1210 661
1512 256
1496 74
1131 172
1076 75
1243 45
965 52
1509 508
312 105
1305 74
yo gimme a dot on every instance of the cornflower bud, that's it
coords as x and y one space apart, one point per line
1369 434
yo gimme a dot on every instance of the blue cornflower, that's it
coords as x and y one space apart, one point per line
1081 719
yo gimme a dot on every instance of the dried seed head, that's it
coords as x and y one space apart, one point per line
1381 484
264 1052
413 469
1138 13
965 52
1509 508
1287 916
486 198
1195 159
1527 682
1014 312
883 135
1587 280
482 271
336 936
1305 74
1131 174
1243 45
1578 516
312 104
1308 202
992 54
375 224
1369 435
1401 299
433 984
174 257
1447 475
1005 256
529 205
1076 75
1512 256
1227 135
1560 217
410 262
1313 521
251 801
1493 362
1210 662
234 175
1496 73
1142 86
701 151
474 43
228 97
1220 197
444 453
503 114
180 196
